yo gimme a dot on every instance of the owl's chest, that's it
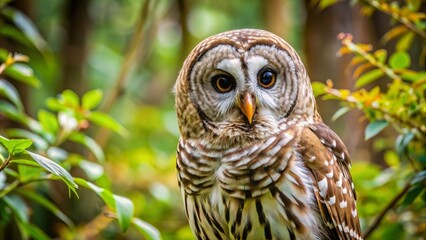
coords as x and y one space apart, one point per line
258 193
238 172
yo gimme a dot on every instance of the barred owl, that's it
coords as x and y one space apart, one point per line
255 160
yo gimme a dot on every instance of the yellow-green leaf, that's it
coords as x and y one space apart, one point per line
400 59
369 77
375 128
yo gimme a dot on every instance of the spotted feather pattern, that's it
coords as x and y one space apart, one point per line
281 175
328 159
263 191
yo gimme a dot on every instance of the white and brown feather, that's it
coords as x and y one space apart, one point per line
286 175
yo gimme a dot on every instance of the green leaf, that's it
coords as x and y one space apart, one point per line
31 231
20 145
11 112
419 177
121 205
15 146
405 41
92 99
92 170
326 3
40 199
402 142
22 73
56 169
104 120
27 173
88 142
381 55
69 98
374 128
103 193
13 33
25 162
9 91
412 194
146 229
369 77
26 26
18 207
340 113
48 121
318 88
125 209
400 60
38 141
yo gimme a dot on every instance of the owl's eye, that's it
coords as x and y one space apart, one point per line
266 78
223 83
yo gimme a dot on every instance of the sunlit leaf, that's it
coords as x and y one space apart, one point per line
11 112
18 206
23 73
92 99
405 41
26 26
104 120
40 199
146 229
124 209
375 128
391 158
56 169
394 32
326 3
88 142
381 55
48 121
9 91
38 141
103 193
340 113
369 77
318 88
27 173
92 170
69 98
362 68
15 146
400 59
25 162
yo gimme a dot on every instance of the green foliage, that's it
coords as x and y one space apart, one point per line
33 155
400 105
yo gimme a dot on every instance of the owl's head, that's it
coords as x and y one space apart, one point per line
240 86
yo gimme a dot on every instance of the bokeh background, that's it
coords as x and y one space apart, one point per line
133 51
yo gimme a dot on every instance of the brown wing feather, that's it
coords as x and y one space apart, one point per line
327 157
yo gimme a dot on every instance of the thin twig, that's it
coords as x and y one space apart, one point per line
397 17
376 222
395 117
5 163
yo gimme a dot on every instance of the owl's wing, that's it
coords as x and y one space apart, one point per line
326 156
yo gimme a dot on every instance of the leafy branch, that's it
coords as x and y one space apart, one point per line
404 15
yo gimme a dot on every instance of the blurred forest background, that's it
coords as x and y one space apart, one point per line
131 52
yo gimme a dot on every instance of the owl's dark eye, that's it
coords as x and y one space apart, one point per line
223 83
266 78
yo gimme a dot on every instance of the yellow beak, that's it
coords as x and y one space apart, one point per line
248 106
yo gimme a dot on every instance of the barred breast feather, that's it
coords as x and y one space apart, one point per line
250 192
